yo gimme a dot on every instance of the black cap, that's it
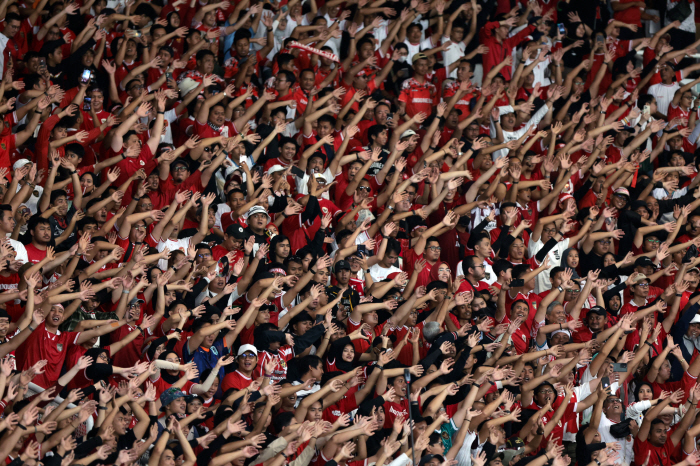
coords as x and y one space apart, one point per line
644 262
598 310
342 265
179 161
135 301
236 230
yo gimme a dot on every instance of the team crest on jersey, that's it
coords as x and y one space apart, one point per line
524 338
142 162
534 305
214 351
445 435
4 147
324 210
59 346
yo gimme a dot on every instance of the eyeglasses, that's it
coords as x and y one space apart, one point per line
547 392
247 356
604 241
139 227
574 291
643 285
180 168
480 265
435 248
201 256
652 240
613 400
136 87
365 188
550 230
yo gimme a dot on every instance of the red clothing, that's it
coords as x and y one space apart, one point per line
499 51
53 347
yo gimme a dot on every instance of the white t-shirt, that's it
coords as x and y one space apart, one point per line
21 251
379 273
302 183
415 48
33 200
664 95
181 244
542 282
454 52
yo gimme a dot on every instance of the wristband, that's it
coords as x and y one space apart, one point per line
135 198
679 294
516 182
125 291
432 148
650 343
102 408
163 113
602 112
74 172
164 430
191 261
560 233
123 156
31 329
269 29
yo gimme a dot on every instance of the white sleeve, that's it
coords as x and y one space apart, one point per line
636 409
464 454
401 460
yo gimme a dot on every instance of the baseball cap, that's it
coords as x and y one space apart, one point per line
275 169
644 262
598 310
247 347
407 133
170 395
342 265
418 56
622 192
187 85
20 163
236 230
696 319
565 197
136 301
177 162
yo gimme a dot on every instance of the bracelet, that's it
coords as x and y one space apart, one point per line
432 148
125 291
134 198
679 294
164 430
246 255
269 29
602 112
379 367
74 172
102 408
191 261
592 219
650 343
516 182
163 113
560 233
560 289
546 456
31 329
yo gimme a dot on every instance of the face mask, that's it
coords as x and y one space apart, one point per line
402 59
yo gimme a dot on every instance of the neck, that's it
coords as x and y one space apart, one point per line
40 247
419 78
639 300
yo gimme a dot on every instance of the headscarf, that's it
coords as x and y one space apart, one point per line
565 264
434 271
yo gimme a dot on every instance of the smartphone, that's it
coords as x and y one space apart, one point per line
284 8
242 160
86 105
647 110
85 78
620 367
390 117
168 76
242 60
605 381
138 34
362 249
562 29
600 39
517 282
298 172
42 62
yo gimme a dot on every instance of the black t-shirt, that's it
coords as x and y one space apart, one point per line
590 261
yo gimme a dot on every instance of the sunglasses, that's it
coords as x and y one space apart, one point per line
365 188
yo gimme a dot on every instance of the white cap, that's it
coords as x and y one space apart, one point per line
21 163
275 169
257 210
247 347
407 133
696 319
187 85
